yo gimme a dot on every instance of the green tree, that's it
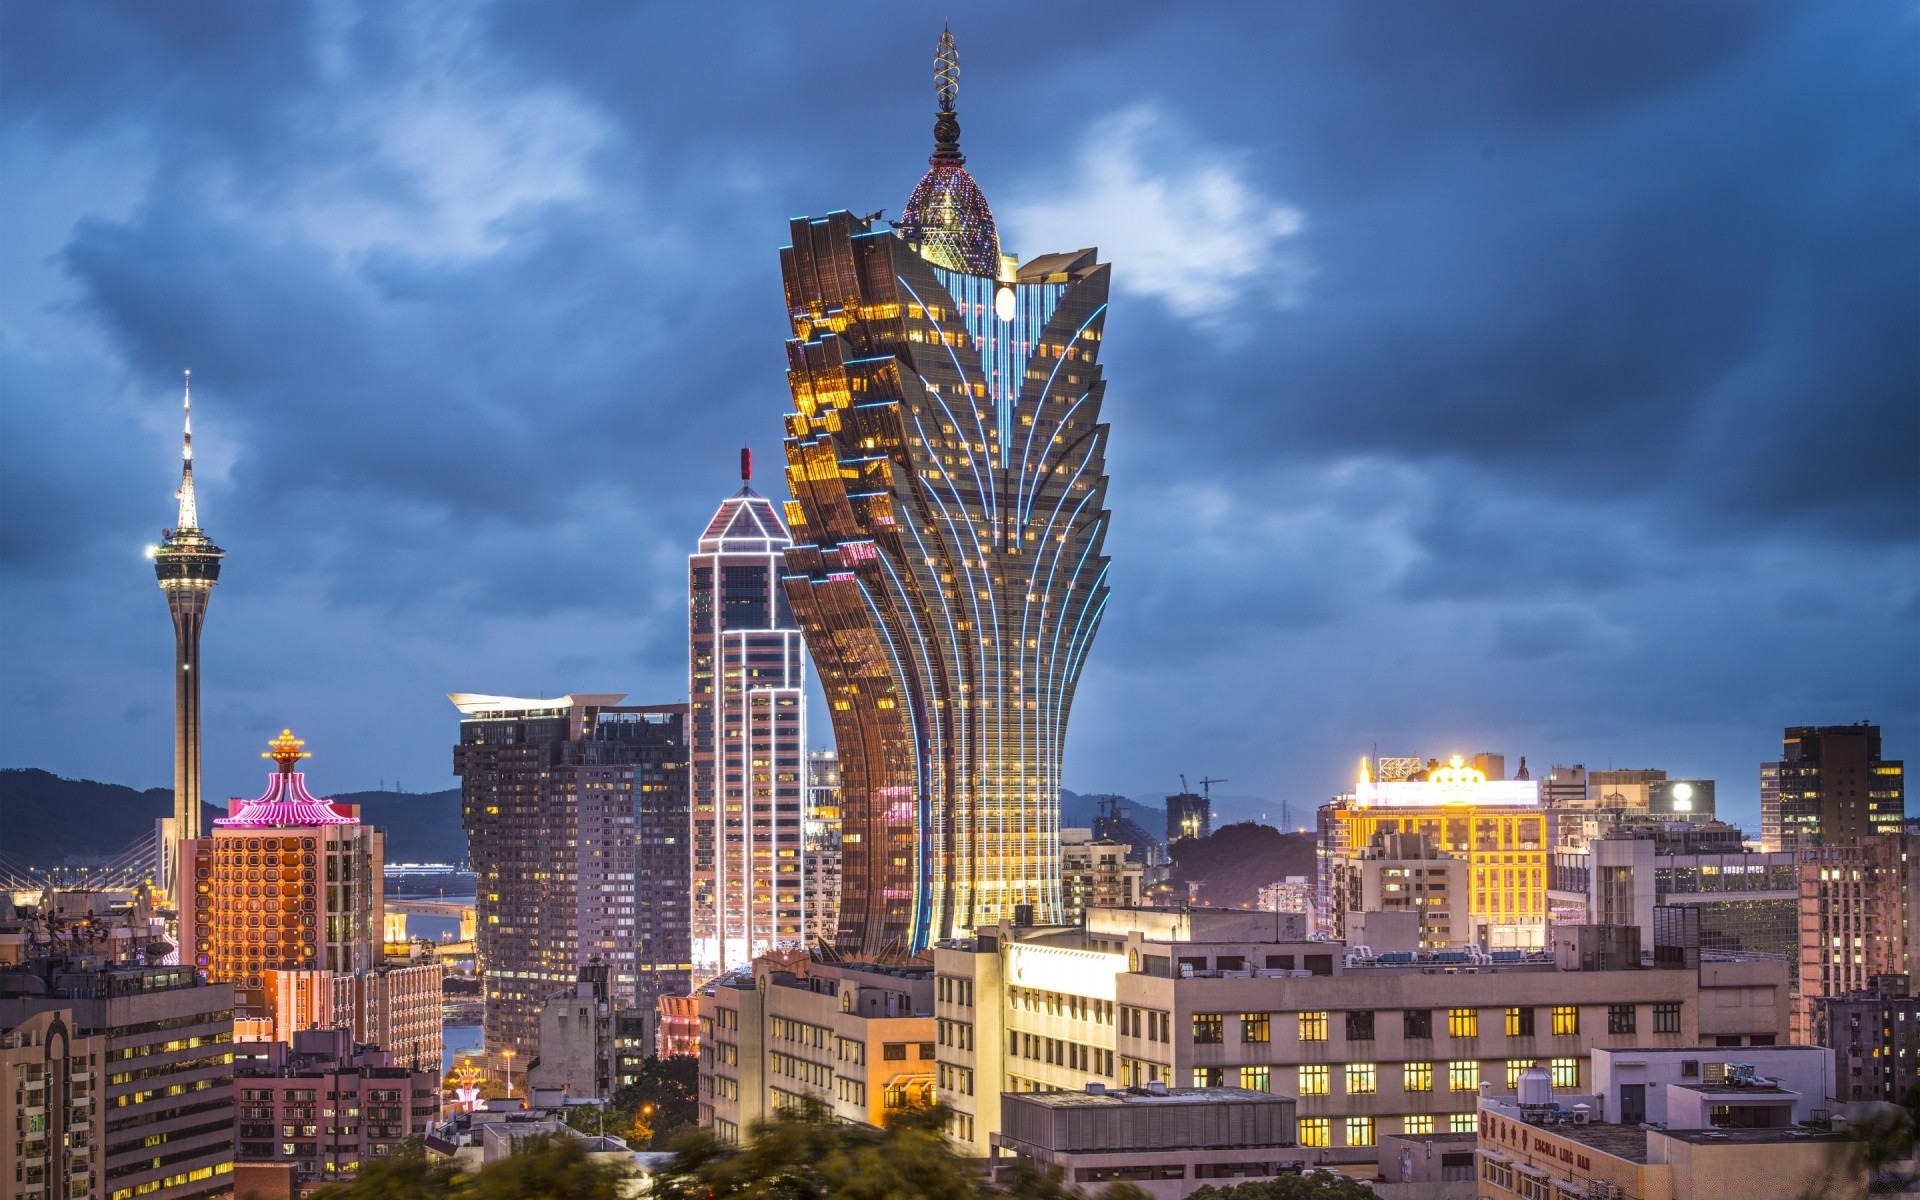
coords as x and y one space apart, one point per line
804 1154
399 1179
663 1100
1318 1185
556 1168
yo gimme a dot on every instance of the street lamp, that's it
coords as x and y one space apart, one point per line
508 1055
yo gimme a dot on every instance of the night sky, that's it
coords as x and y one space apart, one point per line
1538 378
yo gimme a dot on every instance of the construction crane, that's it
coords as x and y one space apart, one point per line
1206 787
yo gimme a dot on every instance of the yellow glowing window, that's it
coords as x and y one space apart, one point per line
1313 1026
1566 1019
1417 1076
1463 1022
1361 1079
1463 1076
1418 1125
1314 1080
1359 1131
1566 1073
1315 1131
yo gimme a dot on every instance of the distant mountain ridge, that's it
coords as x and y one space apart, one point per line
45 819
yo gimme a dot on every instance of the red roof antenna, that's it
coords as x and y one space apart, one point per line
746 464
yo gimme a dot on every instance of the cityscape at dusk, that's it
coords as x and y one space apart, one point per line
1244 602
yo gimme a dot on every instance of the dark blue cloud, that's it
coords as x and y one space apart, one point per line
1540 378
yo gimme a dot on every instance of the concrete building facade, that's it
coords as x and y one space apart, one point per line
1368 1046
1097 873
856 1038
1859 915
119 1082
1873 1039
1534 1152
326 1106
1747 900
1165 1141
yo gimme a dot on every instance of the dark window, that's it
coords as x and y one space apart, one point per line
1520 1022
1666 1017
1209 1029
1320 964
1761 1039
1621 1018
1417 1023
1360 1026
1279 962
894 1052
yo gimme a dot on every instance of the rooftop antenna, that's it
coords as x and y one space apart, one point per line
746 464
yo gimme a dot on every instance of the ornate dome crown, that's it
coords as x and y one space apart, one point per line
947 218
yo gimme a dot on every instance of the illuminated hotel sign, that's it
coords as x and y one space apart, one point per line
1451 784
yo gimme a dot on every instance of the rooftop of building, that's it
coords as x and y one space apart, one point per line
91 977
1113 1097
1629 1142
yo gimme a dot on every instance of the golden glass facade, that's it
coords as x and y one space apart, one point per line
947 463
1504 847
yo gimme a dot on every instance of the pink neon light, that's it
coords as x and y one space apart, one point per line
286 803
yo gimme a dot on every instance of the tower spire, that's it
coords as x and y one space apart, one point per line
946 88
189 511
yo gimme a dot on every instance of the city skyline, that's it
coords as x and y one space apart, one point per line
1557 537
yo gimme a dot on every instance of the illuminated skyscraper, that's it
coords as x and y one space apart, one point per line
286 882
1830 787
576 815
948 466
747 725
187 563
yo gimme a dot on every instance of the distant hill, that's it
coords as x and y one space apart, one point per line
421 826
45 820
1234 863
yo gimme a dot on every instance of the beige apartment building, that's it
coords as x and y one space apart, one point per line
1369 1047
856 1037
1096 873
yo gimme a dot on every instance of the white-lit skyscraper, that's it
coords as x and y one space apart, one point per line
747 734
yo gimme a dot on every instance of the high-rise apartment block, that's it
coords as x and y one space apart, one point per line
1390 1043
747 737
577 824
1830 786
822 866
395 1006
1859 918
1875 1038
325 1107
1097 873
115 1081
187 565
286 882
948 466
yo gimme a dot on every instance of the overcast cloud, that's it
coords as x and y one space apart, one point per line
1536 378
